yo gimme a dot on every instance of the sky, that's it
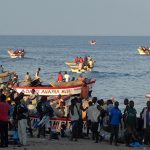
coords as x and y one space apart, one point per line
75 17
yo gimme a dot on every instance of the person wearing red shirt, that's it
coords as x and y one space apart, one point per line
81 60
60 77
77 59
84 91
4 110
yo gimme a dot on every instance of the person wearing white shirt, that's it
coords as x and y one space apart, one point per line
66 77
37 74
94 119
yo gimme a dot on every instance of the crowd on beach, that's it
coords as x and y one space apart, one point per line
88 117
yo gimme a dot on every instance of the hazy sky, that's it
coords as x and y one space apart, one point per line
74 17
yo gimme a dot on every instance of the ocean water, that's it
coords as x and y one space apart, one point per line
120 71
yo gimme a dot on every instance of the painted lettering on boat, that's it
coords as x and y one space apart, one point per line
48 91
26 91
55 91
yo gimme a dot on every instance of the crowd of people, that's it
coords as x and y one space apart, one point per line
99 116
102 119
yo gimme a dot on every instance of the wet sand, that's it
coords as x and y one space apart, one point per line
65 144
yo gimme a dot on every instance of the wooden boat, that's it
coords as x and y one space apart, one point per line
16 53
6 76
143 51
56 88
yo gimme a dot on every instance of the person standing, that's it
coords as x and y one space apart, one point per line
59 77
27 77
33 97
74 116
66 77
37 74
4 111
115 120
84 91
1 69
15 80
146 118
45 112
20 116
95 114
126 103
89 117
131 121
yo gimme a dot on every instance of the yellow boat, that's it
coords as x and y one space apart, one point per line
143 51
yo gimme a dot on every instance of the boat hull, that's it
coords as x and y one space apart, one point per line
79 70
52 91
147 96
6 76
70 63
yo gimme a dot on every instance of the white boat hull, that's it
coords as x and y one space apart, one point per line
147 95
52 91
70 63
80 70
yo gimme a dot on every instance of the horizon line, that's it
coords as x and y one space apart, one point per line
69 35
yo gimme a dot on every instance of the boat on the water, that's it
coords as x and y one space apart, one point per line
81 65
56 88
16 53
92 42
6 76
144 50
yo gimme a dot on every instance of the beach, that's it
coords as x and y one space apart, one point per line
65 144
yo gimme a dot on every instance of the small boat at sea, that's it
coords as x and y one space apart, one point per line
80 65
144 50
56 88
19 53
92 42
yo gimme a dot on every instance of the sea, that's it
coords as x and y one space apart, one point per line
119 70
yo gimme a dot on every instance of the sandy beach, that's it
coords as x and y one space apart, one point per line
65 144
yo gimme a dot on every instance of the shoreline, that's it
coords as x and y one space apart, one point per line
65 144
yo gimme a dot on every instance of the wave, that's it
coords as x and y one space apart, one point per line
98 74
